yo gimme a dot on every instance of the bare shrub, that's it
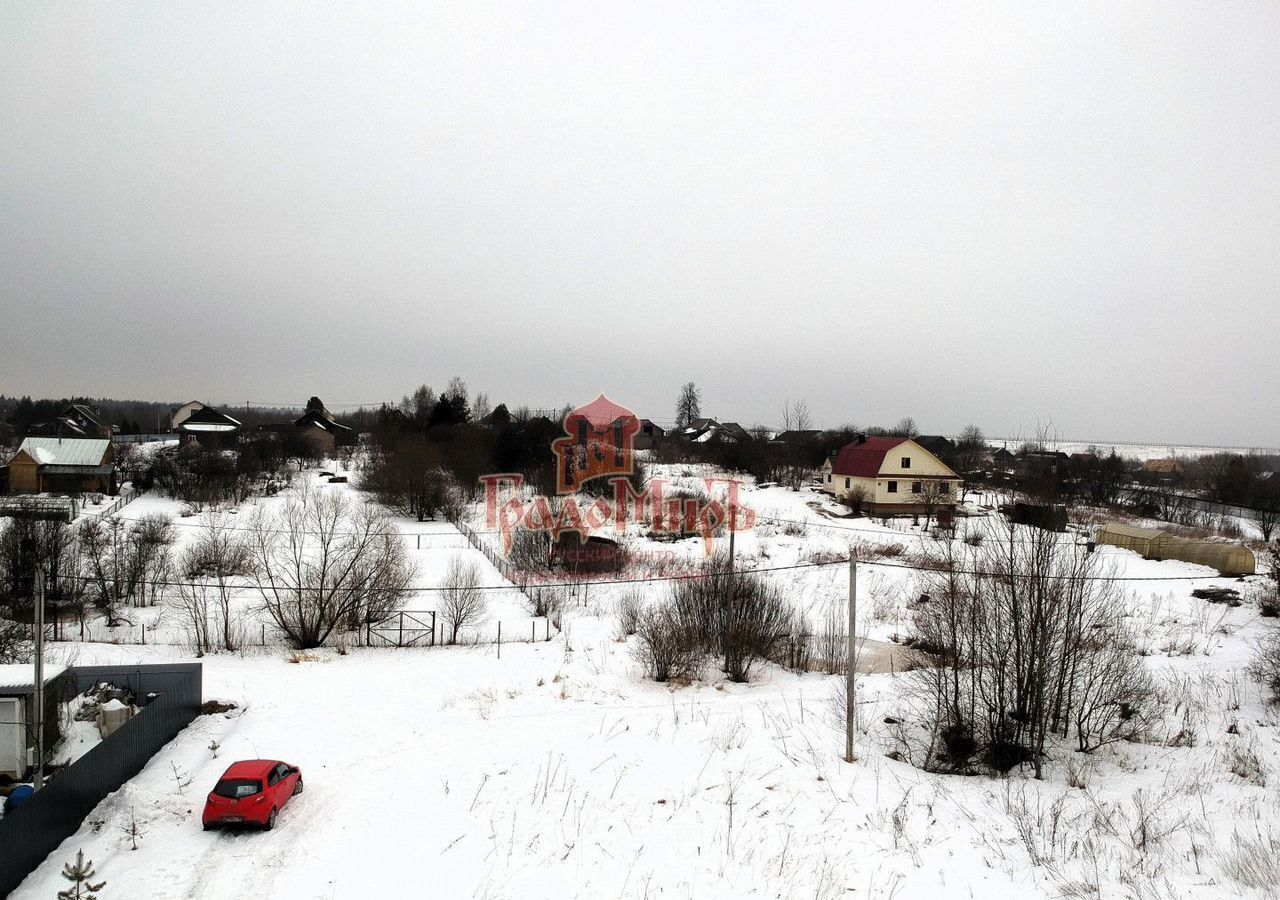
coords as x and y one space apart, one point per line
663 646
856 500
530 550
462 603
1265 665
1253 860
546 600
217 555
798 649
1029 633
630 606
1243 761
733 614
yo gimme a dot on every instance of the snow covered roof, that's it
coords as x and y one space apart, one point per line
20 678
48 451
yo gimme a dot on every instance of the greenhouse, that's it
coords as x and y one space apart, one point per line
1229 559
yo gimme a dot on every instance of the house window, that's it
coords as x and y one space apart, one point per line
846 482
828 478
906 462
892 487
915 487
944 488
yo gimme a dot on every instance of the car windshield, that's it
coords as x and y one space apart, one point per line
236 788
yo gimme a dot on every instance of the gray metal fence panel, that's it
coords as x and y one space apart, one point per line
170 697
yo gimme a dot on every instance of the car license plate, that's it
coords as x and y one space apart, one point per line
233 819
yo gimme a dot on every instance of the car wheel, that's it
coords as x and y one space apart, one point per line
271 820
208 826
297 788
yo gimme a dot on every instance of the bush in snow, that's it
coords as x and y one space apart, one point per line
1265 666
1030 641
663 645
630 606
732 614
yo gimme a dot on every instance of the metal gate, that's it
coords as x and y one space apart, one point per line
407 628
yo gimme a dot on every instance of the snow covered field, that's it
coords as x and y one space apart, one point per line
558 771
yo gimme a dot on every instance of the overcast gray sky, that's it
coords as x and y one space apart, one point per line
959 212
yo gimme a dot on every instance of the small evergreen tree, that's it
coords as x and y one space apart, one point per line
79 873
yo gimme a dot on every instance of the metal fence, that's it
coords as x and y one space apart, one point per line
423 628
170 697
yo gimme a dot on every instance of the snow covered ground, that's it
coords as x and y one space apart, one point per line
558 771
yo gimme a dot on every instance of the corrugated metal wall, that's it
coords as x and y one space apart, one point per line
170 696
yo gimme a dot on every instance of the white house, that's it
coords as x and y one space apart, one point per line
182 413
894 476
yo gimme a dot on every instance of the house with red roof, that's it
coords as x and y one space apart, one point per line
893 475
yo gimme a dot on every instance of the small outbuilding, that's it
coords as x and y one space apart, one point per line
324 434
18 714
63 466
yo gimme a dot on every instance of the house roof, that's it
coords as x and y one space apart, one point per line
206 418
935 443
798 434
20 678
321 418
47 451
864 460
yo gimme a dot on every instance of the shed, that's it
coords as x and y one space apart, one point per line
17 713
594 555
63 465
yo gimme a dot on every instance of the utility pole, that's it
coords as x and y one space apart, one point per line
39 684
731 594
850 707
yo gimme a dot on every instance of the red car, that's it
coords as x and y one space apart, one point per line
252 792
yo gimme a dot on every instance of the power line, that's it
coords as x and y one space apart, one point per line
841 561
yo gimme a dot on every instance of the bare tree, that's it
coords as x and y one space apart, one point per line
152 538
408 475
795 416
688 404
480 406
420 404
1266 506
456 389
217 555
971 449
15 642
462 603
931 497
906 427
27 545
108 571
324 561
